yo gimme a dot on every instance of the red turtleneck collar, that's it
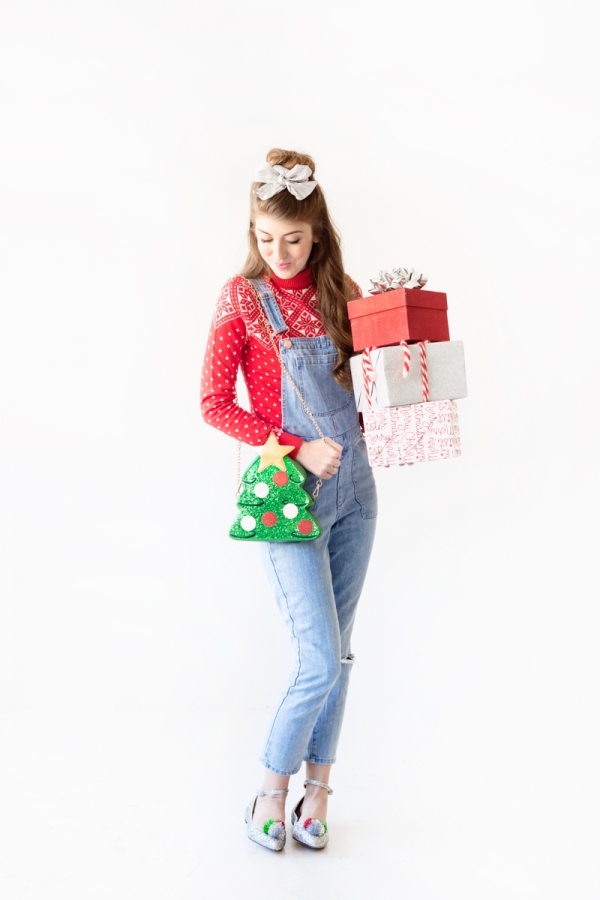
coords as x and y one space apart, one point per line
300 281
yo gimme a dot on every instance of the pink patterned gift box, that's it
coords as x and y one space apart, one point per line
400 435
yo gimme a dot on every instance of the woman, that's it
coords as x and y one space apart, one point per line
289 304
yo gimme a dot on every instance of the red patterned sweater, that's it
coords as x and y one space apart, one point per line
237 337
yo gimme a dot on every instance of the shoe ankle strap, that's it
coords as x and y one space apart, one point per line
270 793
318 784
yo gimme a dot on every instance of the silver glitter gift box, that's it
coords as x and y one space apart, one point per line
445 371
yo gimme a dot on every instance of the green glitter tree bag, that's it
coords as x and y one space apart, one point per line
272 502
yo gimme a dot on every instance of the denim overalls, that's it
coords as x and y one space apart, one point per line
318 584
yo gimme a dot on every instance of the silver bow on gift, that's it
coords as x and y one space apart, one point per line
397 278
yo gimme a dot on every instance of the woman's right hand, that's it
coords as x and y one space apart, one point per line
321 457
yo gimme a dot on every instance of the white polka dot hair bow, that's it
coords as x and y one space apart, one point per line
278 178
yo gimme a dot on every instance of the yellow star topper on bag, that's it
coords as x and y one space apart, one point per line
272 454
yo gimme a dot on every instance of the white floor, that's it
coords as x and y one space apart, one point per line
136 804
129 750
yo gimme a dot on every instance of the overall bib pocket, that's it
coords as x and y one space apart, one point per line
319 388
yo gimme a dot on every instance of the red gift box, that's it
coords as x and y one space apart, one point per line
406 314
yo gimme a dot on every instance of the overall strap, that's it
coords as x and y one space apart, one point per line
270 306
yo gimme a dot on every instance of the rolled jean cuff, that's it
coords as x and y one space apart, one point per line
317 761
278 771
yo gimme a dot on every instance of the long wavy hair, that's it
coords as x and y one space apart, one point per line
333 287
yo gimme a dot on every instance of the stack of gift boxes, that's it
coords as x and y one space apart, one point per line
408 372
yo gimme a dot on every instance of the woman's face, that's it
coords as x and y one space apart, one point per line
284 245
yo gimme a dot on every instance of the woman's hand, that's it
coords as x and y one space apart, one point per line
321 457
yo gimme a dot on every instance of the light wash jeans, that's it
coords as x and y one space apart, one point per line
318 583
317 586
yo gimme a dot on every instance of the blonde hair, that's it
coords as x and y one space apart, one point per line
333 287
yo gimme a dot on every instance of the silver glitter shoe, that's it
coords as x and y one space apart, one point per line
272 833
312 832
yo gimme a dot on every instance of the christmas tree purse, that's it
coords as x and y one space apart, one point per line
272 502
273 505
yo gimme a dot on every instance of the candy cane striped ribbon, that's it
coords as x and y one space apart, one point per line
368 375
425 380
406 360
367 370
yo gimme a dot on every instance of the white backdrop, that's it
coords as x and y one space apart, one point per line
140 650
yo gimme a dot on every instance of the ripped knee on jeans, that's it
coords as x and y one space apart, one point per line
348 660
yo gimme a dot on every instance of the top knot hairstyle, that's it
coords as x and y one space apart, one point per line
333 288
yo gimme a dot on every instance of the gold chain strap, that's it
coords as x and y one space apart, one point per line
269 331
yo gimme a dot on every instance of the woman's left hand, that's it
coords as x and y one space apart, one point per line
321 457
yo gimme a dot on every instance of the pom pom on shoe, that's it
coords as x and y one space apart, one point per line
275 828
316 827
